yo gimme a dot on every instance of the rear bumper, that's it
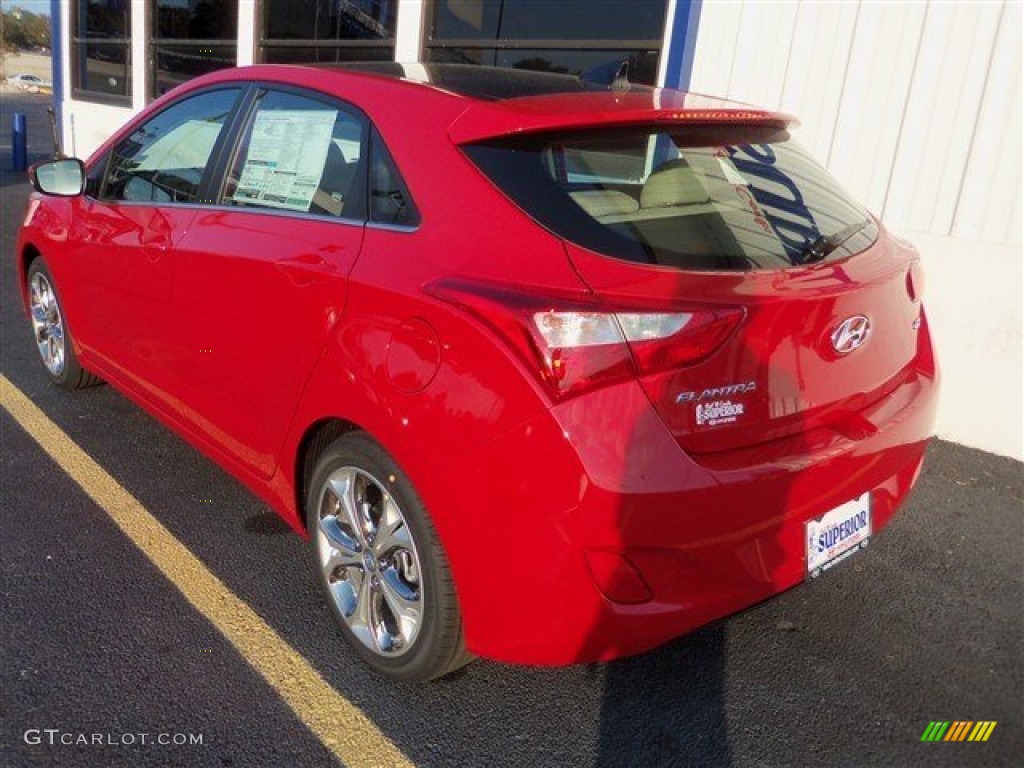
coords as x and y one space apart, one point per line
696 576
678 542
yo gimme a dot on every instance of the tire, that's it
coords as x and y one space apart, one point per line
50 332
380 565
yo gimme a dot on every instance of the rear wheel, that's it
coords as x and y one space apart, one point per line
381 566
49 328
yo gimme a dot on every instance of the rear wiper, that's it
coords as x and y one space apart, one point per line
822 246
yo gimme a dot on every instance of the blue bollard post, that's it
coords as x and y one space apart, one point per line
19 142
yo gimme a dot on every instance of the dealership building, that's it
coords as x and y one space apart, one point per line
914 106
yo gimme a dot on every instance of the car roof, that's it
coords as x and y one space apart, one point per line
477 82
492 102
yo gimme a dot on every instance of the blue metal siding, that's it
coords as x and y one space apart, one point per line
682 44
57 57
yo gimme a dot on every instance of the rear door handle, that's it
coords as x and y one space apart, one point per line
306 268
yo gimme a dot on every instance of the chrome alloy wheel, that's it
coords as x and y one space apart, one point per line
369 561
47 323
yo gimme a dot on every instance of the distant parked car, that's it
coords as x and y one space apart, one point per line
30 83
548 372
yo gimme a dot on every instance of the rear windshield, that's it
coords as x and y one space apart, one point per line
696 198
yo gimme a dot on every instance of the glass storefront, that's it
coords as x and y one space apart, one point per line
186 38
101 50
328 30
190 38
588 38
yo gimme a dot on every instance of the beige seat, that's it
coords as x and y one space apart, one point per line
673 186
601 203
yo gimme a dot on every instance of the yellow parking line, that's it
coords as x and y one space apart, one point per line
334 720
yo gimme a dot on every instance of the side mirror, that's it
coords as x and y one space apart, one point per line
64 178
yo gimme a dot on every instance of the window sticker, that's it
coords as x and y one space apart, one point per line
286 156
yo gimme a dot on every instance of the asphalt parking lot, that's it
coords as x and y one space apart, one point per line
924 625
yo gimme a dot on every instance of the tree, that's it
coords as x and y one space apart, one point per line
24 30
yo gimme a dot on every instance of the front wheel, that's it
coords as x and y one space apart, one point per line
381 566
49 327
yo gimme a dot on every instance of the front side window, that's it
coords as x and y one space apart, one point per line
300 154
164 160
100 48
191 39
725 198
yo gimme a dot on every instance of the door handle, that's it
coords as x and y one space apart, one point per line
156 247
306 268
156 236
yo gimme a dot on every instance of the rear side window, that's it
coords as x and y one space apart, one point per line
390 201
163 160
300 154
699 198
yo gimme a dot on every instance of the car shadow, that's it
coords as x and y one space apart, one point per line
666 708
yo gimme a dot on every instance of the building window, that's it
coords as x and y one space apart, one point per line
191 38
101 51
296 31
587 38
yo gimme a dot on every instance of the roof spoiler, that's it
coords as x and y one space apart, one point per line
637 106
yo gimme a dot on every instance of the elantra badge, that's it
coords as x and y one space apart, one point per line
728 390
850 334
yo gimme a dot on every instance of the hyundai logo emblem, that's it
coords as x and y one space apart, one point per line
850 334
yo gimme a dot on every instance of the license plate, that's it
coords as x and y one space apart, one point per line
837 534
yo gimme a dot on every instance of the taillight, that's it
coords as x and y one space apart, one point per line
690 337
575 344
577 349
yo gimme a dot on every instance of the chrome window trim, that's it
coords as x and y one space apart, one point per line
403 228
232 208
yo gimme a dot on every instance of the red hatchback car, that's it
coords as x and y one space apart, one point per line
547 372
